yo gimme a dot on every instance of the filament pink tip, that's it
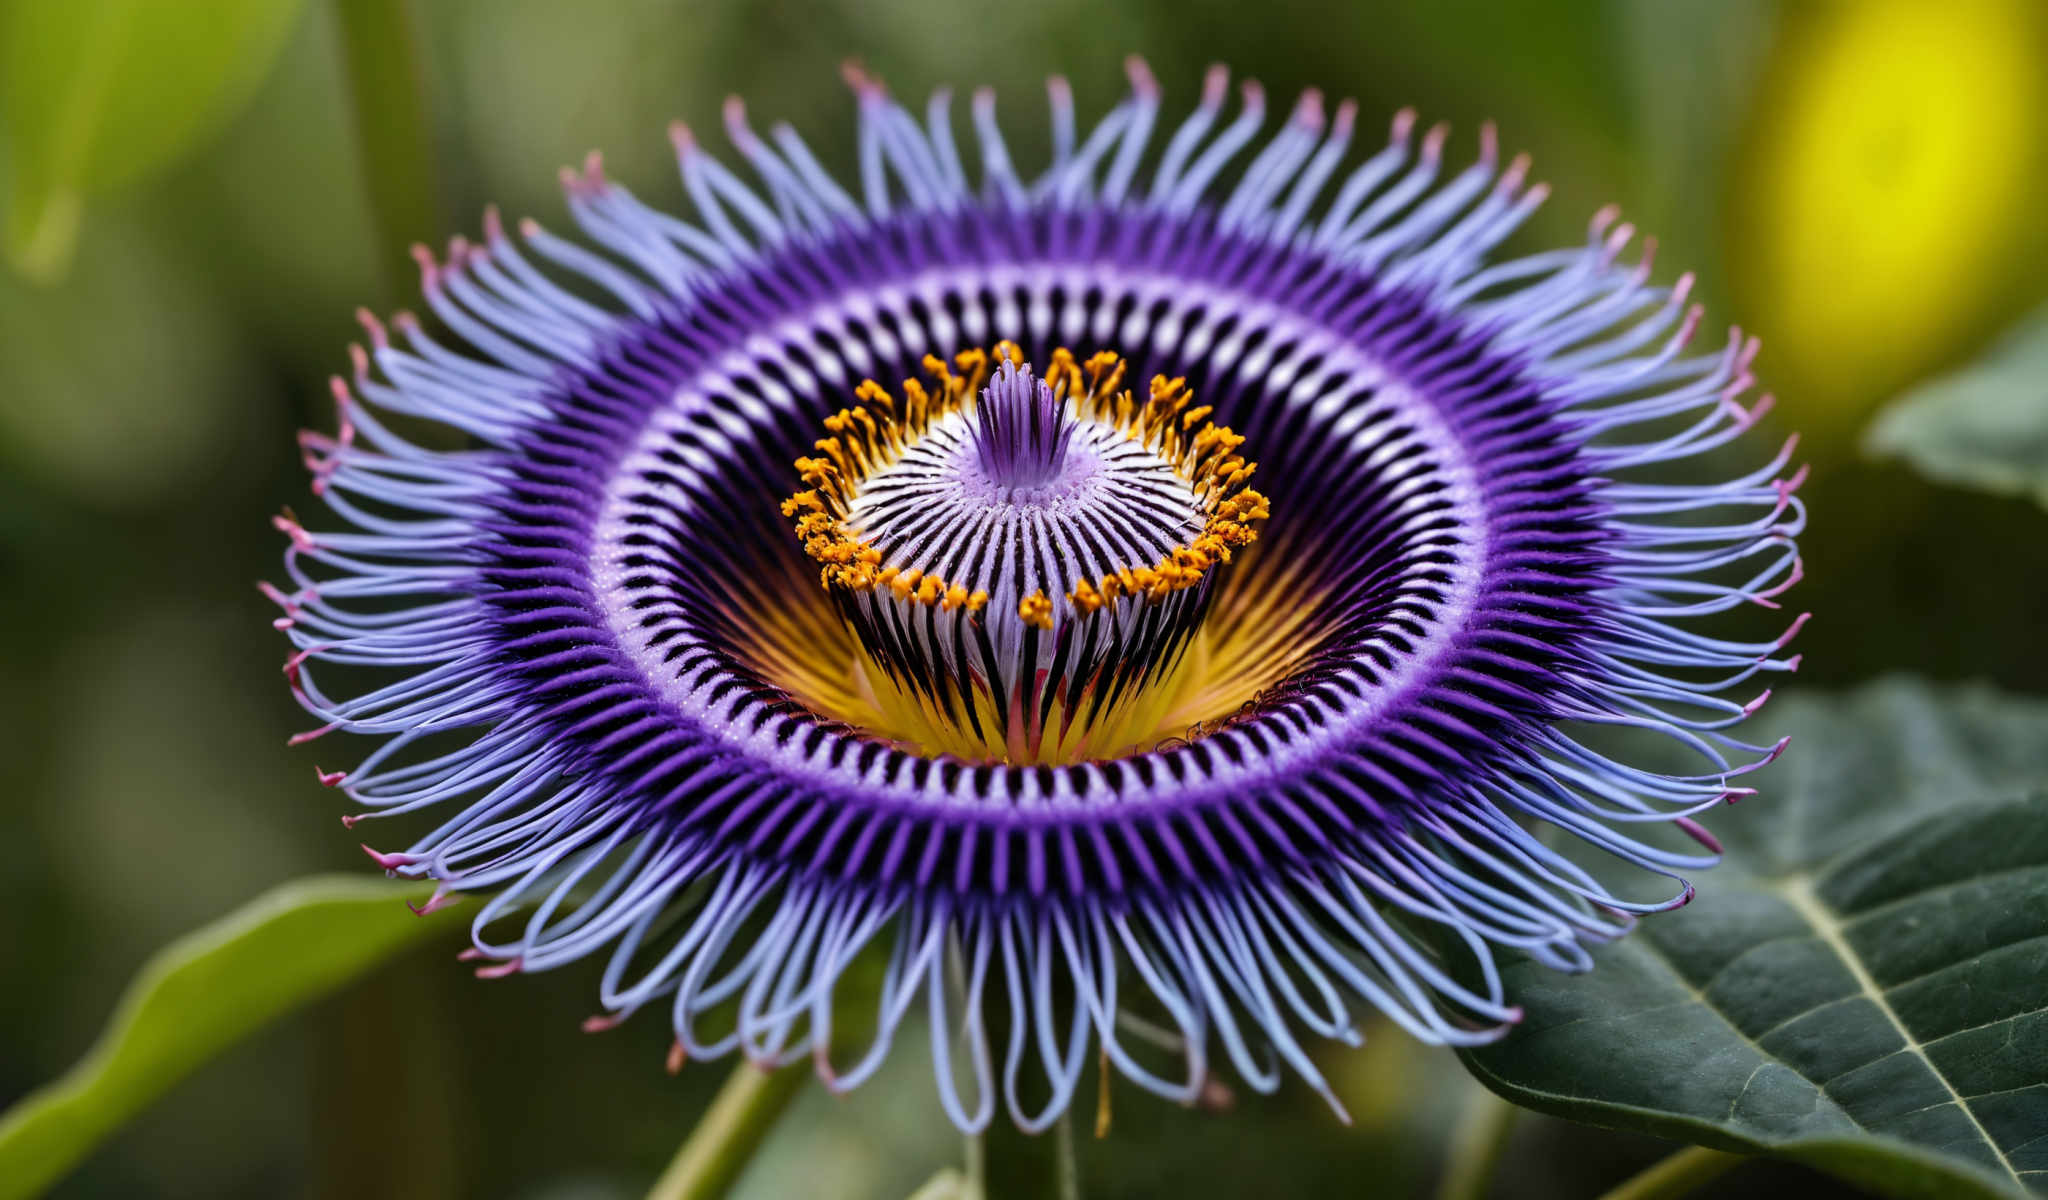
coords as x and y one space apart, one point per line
499 970
1682 290
736 128
1698 834
1347 115
379 337
430 271
293 530
272 593
1433 141
1308 111
1139 72
1215 82
1518 170
865 85
435 903
390 862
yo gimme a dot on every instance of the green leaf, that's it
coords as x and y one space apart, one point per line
1862 986
199 996
95 93
1983 427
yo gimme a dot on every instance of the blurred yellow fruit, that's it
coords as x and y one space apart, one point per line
1887 184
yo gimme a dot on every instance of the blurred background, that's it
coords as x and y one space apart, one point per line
1857 181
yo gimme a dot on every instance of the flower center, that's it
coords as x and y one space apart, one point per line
1023 560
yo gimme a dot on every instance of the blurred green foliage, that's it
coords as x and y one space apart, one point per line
149 386
97 93
199 995
1985 426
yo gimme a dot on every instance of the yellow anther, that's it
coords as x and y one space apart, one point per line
1035 610
905 583
917 406
868 437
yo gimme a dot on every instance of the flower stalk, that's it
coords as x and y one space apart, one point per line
733 1128
1681 1174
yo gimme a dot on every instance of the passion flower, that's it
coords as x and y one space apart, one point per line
1101 601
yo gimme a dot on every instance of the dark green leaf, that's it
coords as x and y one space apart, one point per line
1863 986
94 93
1985 426
198 996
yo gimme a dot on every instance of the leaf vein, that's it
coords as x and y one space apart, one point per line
1810 906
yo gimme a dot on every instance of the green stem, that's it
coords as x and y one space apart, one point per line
975 1186
1476 1145
1678 1175
387 94
723 1142
1065 1164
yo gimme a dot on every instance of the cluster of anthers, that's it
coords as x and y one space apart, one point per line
864 439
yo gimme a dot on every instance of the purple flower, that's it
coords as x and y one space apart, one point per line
877 577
